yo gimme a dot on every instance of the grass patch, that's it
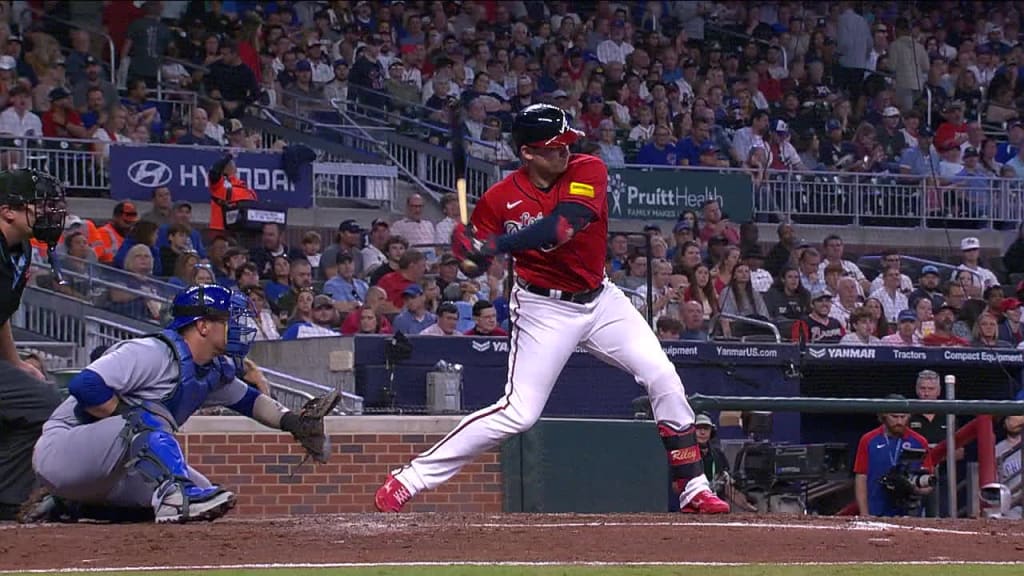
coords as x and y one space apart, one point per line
753 570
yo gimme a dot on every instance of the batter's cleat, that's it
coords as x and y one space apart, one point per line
178 503
391 496
705 502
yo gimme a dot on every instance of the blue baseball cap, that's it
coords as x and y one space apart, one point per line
412 290
929 269
832 124
304 66
906 316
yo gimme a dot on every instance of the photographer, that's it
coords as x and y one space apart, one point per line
716 464
227 191
888 482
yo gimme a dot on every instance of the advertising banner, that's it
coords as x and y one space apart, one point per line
663 194
135 171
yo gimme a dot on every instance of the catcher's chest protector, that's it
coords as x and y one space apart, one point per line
194 384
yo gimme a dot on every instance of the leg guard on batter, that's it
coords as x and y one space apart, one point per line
155 454
684 459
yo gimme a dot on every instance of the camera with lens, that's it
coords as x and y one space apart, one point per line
901 483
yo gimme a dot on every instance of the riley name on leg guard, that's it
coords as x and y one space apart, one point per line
687 468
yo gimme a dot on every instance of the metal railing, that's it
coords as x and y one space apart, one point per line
350 404
374 183
75 162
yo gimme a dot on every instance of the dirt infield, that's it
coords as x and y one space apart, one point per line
485 538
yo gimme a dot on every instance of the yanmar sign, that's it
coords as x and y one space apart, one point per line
843 353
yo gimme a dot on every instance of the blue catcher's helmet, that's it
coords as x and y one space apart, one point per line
216 302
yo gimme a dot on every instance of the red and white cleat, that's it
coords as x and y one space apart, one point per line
705 502
391 496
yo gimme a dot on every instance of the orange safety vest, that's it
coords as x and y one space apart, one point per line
221 194
109 241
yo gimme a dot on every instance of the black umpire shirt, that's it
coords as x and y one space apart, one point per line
25 403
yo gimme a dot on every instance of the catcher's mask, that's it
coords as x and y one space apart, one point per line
23 187
217 302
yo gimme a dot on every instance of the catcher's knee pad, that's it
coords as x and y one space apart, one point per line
684 458
152 451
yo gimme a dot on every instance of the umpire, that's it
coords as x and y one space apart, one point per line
31 206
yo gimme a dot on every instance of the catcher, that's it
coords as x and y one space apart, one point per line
108 452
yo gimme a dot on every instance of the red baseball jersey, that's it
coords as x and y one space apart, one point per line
515 202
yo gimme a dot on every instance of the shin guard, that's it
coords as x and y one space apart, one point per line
684 459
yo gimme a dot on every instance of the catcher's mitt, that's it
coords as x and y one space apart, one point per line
307 427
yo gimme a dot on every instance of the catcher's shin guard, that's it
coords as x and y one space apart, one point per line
684 459
156 455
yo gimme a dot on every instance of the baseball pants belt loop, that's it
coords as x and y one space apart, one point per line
584 297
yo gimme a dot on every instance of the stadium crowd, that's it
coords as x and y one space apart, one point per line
802 86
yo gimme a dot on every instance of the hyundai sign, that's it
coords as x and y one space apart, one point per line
135 171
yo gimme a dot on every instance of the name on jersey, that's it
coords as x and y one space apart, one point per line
525 219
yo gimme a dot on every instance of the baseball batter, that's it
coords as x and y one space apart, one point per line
111 443
552 216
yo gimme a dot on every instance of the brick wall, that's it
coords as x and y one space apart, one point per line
256 466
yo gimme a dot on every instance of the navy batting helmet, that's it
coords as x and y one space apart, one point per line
543 126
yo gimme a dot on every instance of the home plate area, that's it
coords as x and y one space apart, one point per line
485 538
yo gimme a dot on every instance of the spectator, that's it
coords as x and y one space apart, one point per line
271 247
414 317
862 325
78 55
485 319
928 287
693 322
197 130
320 323
411 267
740 299
906 331
395 247
309 250
177 245
17 120
787 299
952 133
492 146
132 302
244 276
111 235
92 79
278 280
337 88
943 335
300 277
231 82
846 301
610 151
702 290
892 299
95 114
986 333
833 254
909 62
347 241
113 131
616 48
141 111
660 151
139 233
892 258
61 120
145 44
980 277
266 325
668 328
443 230
418 231
818 327
161 213
1009 327
780 256
875 459
810 271
447 320
760 278
661 288
1009 459
366 321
